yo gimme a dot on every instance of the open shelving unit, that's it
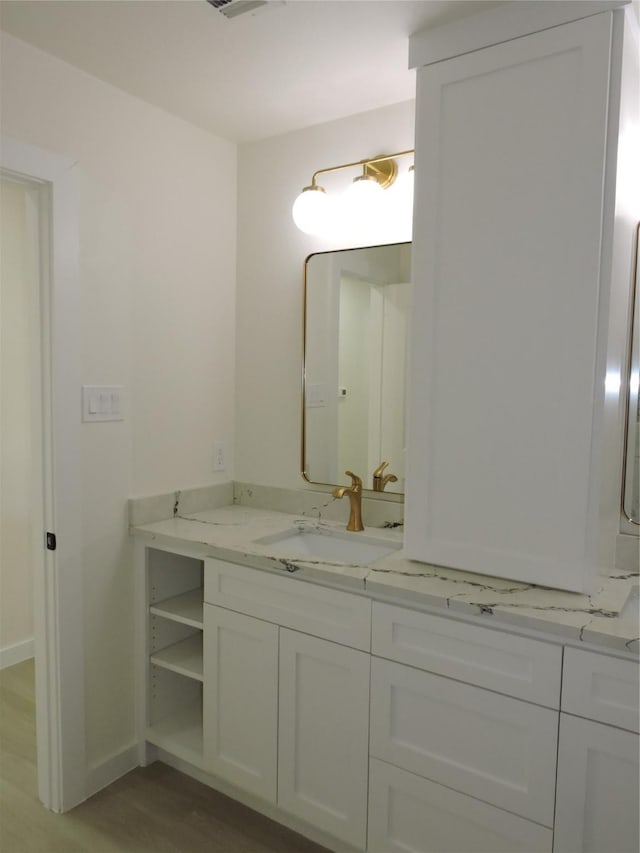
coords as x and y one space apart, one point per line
184 657
185 608
175 723
175 671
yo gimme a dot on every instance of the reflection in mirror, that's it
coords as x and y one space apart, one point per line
631 489
357 307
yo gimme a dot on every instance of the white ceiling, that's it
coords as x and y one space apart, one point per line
298 63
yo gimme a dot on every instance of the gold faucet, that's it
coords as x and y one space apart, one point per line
355 500
379 482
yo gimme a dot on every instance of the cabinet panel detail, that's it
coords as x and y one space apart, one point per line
597 796
520 667
601 688
241 700
408 813
498 749
338 616
323 735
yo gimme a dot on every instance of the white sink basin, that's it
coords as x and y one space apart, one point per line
354 548
631 609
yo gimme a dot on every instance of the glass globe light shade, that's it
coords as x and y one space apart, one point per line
363 191
362 203
311 210
404 188
408 181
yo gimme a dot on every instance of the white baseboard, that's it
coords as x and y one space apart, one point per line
113 768
16 653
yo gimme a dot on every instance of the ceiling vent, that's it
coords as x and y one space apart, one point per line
235 8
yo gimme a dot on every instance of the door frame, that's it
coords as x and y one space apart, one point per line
58 575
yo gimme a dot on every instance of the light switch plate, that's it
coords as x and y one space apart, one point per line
102 403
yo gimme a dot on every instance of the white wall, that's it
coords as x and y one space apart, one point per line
16 574
271 254
157 267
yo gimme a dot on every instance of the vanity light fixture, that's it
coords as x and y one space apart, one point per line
313 208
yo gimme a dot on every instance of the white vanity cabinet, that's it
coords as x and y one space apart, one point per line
456 766
516 138
598 759
286 712
375 727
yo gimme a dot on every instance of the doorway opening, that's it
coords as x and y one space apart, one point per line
42 185
21 477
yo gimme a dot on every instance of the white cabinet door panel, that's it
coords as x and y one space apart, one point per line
597 799
508 357
520 667
323 735
601 688
492 747
241 700
408 814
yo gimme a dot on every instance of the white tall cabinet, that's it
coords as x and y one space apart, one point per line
516 144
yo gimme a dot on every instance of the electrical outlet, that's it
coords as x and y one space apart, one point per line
218 456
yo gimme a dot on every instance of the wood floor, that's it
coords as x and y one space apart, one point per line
151 810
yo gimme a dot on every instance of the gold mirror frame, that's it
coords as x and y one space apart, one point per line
629 466
383 474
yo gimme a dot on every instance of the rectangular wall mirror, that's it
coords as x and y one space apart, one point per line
357 304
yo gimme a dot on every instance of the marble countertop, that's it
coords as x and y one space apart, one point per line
231 532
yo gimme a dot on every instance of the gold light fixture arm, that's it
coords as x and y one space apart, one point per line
383 167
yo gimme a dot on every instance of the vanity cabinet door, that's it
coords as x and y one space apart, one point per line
600 687
407 813
323 735
241 700
508 354
491 747
597 789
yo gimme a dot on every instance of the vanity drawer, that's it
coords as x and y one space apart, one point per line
506 663
492 747
328 613
601 688
410 813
